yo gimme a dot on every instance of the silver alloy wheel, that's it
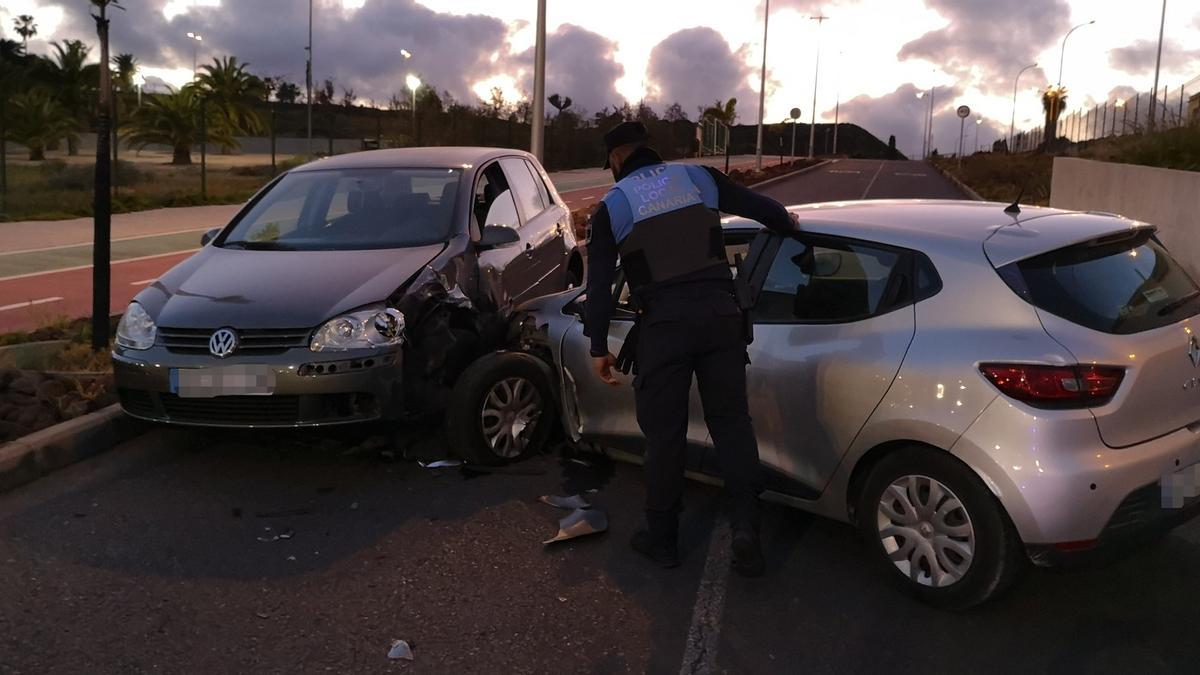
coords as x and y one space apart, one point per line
926 531
510 413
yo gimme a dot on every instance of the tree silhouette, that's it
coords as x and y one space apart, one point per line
560 103
726 113
26 27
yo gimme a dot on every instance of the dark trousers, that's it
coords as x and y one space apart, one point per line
685 333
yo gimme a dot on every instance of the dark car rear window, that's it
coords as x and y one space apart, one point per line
1122 285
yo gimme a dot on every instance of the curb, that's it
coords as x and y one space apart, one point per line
958 183
792 174
30 457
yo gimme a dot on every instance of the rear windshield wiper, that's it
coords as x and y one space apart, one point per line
1171 307
258 245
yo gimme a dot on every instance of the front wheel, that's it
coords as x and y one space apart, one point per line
937 530
501 409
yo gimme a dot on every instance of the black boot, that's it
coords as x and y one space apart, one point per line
664 552
747 553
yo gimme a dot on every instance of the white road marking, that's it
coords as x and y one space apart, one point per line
873 179
88 243
28 303
144 282
700 653
914 175
843 171
88 267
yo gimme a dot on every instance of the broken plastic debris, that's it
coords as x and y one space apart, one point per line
400 650
441 464
580 523
572 502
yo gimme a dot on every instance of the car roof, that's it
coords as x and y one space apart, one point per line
434 157
964 227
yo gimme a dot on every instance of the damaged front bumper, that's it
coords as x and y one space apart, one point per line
307 388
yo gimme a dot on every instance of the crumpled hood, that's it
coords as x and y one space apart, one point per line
277 289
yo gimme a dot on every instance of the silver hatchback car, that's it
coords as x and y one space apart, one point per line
970 386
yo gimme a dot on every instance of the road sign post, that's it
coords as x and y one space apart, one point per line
795 115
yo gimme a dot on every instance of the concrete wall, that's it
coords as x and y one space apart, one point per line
1163 197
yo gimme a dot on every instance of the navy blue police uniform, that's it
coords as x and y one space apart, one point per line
662 221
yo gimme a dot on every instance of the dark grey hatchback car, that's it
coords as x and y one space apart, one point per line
355 288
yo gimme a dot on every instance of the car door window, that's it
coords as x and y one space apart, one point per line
491 187
540 184
830 280
529 200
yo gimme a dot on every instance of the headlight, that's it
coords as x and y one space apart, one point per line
136 329
364 329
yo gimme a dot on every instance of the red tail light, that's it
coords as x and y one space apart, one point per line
1055 386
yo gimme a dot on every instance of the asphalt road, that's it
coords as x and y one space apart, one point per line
312 551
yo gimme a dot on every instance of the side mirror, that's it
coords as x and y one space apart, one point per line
498 236
209 236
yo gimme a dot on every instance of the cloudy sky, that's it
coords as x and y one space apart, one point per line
875 54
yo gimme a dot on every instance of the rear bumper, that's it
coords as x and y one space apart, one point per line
1062 487
360 388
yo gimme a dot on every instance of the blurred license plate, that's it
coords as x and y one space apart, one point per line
240 380
1181 487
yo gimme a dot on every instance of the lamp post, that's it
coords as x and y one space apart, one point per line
1063 53
929 137
196 39
924 126
762 90
308 76
812 125
537 131
1012 127
1158 65
978 123
139 81
414 83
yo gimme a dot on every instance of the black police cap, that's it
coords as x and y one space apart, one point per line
624 134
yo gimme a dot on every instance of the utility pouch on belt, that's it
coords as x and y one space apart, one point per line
745 299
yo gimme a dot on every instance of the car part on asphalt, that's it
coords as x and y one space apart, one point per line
580 523
502 409
441 464
400 650
571 502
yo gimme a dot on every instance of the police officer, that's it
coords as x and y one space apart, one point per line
662 221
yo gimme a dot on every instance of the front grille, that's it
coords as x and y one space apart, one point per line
233 410
237 411
253 341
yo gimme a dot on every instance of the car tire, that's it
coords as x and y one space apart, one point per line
502 409
959 554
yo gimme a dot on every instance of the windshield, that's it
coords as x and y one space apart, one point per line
351 209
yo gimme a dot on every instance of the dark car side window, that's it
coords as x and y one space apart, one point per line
541 184
831 280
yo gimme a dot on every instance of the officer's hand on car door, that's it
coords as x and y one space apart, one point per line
603 365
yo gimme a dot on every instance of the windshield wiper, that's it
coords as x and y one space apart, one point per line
1171 307
258 245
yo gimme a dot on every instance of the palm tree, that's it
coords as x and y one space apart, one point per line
37 120
26 27
1054 101
231 91
726 113
173 119
74 81
287 92
126 66
560 103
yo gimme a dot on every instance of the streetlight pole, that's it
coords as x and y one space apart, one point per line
762 90
308 76
1012 127
929 142
924 126
196 39
978 123
1063 53
812 125
1158 65
538 137
414 83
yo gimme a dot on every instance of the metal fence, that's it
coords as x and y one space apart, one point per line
1143 112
